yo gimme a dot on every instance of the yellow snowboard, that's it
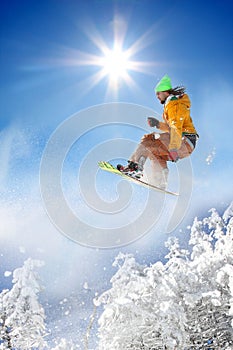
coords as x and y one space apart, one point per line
110 168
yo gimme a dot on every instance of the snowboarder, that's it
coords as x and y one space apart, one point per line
177 140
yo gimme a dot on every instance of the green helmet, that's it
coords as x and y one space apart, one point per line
164 84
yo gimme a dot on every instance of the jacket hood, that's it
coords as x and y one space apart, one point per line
185 100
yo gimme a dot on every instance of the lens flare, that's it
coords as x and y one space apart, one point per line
114 62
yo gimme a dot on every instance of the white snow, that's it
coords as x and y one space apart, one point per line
64 345
22 249
228 212
85 286
7 273
20 310
211 156
179 304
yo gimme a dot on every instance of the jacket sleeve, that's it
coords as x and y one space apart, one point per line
175 117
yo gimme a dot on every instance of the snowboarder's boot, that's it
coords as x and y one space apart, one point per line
132 169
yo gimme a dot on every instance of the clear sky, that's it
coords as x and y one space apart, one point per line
56 62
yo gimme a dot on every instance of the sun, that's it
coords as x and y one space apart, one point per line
116 64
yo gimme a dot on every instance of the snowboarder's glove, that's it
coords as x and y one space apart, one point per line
153 122
173 155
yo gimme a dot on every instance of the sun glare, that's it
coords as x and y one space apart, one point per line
115 64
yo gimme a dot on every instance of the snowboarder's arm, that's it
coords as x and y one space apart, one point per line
164 127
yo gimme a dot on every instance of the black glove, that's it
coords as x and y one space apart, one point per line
153 122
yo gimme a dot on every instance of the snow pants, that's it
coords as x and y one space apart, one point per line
155 147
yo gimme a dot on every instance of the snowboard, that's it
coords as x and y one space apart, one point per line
106 166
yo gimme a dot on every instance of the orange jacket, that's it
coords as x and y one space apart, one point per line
177 119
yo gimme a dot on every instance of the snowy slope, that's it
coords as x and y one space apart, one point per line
186 303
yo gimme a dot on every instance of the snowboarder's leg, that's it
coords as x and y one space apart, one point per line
138 158
155 147
186 148
159 174
151 145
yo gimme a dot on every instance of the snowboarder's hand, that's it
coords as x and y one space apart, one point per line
173 155
153 122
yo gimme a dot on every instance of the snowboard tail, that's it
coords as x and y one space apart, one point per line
106 166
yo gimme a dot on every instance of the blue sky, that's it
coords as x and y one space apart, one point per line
189 40
49 59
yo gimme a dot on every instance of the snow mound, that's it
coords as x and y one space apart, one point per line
228 212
